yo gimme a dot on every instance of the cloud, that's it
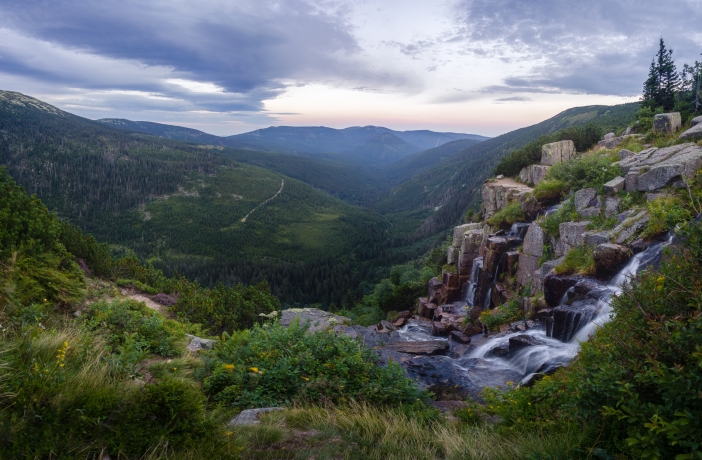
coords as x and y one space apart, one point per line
513 99
595 47
207 55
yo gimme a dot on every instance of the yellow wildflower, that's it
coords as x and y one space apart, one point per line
253 369
304 378
229 367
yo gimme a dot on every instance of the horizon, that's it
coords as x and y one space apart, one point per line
463 66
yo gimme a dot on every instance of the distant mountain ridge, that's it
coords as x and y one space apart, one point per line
374 144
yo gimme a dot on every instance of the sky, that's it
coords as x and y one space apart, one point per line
231 66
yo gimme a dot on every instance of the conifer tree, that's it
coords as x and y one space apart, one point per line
663 80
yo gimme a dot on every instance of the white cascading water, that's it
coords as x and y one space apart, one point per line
490 364
473 283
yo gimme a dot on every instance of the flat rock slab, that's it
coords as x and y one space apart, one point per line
420 348
249 417
318 320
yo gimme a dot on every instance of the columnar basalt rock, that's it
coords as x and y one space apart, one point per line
532 250
469 251
557 152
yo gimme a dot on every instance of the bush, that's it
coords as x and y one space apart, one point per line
273 365
550 190
577 261
504 314
566 213
590 171
129 320
664 214
506 217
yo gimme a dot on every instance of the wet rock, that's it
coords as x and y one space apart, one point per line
420 348
440 329
638 246
472 329
318 320
399 322
250 416
557 152
501 351
459 337
609 258
522 341
615 185
667 122
426 308
569 319
556 286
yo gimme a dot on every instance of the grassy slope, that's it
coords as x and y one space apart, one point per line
114 184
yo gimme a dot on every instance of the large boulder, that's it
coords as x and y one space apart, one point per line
499 193
533 174
587 203
557 152
318 320
667 122
609 259
534 241
683 164
520 341
573 233
693 133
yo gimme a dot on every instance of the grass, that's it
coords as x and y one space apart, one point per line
360 431
510 214
551 190
578 261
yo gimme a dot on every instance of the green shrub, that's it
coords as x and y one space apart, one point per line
665 214
590 171
506 217
577 261
504 314
122 321
170 412
274 365
566 213
549 190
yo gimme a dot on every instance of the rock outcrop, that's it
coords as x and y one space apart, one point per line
499 193
693 133
557 152
533 174
318 320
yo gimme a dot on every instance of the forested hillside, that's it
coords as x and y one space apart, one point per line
437 197
181 206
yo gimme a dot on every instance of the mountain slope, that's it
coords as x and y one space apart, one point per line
181 205
436 198
383 148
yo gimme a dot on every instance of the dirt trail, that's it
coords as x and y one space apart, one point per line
282 184
149 303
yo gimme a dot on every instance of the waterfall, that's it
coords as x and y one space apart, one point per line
473 283
544 353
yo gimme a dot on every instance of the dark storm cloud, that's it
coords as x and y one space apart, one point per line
594 47
244 47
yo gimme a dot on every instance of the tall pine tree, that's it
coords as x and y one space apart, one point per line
663 80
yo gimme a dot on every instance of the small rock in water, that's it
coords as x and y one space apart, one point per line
460 337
